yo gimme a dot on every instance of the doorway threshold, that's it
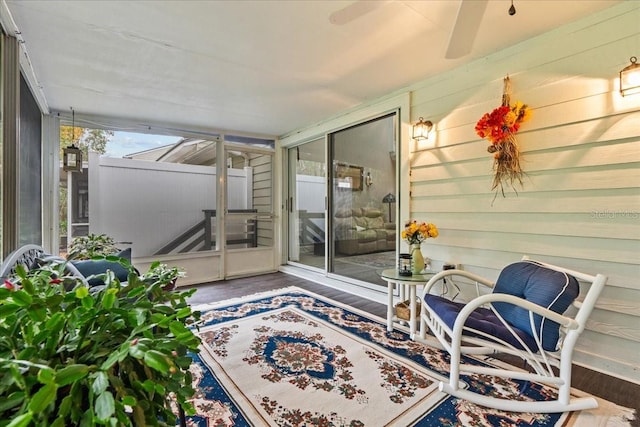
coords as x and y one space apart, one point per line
352 288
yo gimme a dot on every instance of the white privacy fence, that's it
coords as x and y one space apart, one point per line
149 204
308 216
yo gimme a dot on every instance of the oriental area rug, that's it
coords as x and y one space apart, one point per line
293 358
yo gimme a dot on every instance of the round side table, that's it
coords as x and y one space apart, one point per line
404 284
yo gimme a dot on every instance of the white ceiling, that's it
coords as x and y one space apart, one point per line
264 67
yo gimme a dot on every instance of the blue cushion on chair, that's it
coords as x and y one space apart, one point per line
540 285
91 267
482 319
528 280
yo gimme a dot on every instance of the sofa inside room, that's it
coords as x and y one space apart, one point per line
362 231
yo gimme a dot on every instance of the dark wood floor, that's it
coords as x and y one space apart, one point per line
613 389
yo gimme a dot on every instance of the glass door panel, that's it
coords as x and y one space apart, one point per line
363 183
248 220
307 198
249 217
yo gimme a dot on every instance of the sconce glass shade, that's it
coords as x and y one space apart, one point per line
630 78
421 129
72 159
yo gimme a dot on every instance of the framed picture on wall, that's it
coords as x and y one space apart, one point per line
348 177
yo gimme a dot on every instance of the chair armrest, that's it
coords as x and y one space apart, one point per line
565 321
447 273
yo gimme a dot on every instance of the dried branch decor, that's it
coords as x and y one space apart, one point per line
500 127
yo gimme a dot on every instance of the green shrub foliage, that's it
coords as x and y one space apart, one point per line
115 357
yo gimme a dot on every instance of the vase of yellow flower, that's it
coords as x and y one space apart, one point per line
417 259
414 234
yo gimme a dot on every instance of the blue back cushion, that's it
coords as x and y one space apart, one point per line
91 267
542 286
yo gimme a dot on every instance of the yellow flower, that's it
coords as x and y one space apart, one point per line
415 233
510 118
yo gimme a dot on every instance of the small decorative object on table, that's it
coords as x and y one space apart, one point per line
405 265
500 128
414 234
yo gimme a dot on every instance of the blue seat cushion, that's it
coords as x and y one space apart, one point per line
542 286
91 267
482 319
528 280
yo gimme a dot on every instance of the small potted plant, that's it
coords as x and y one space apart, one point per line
92 245
162 273
115 357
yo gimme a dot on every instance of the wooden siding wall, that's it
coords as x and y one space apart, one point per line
580 204
262 165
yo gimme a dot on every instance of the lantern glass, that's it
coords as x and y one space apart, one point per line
72 159
630 78
405 264
421 129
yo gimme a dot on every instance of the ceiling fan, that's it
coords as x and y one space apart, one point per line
464 30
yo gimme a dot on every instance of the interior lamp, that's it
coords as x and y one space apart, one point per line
630 78
389 198
421 129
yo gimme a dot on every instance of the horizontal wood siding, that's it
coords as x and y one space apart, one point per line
262 165
580 203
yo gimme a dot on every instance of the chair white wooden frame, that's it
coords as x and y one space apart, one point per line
456 342
28 255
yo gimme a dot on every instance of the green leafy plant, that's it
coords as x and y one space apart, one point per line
162 273
92 245
116 357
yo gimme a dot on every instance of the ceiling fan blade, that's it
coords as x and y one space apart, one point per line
466 28
354 11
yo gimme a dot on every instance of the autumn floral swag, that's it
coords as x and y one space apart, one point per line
500 127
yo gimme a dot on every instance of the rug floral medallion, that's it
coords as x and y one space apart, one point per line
292 358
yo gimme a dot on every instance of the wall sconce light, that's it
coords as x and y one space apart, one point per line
630 78
421 129
72 159
368 180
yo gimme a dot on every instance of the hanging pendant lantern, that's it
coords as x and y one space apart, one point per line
72 159
72 155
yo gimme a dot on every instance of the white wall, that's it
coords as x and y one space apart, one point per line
580 204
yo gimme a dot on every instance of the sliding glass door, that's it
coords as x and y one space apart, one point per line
307 204
342 217
363 180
